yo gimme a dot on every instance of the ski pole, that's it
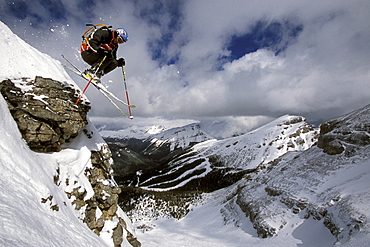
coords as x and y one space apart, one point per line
127 98
88 83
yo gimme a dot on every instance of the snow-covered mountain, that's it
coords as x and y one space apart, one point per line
208 157
291 191
51 199
181 137
141 128
149 147
302 189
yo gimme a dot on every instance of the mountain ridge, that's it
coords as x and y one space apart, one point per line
262 145
290 186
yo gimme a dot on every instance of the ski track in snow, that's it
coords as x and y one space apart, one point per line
214 223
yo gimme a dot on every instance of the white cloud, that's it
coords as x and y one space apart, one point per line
323 72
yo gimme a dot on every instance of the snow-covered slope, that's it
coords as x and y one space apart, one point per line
260 146
27 178
138 150
235 155
303 188
141 128
19 59
304 197
34 207
181 137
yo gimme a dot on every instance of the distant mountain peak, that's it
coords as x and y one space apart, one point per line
236 155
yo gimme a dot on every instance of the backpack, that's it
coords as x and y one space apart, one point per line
86 36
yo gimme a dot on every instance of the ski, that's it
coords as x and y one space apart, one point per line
88 84
115 105
99 86
74 66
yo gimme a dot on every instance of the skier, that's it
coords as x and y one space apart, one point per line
103 43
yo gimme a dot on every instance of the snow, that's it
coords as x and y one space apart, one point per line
141 128
18 59
264 144
23 62
205 227
26 178
245 152
34 208
208 225
338 184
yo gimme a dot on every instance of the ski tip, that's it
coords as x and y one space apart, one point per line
132 106
131 117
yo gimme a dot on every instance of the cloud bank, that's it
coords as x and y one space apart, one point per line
194 59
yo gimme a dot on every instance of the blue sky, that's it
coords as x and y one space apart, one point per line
215 58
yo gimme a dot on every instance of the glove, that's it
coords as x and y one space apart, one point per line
121 62
104 52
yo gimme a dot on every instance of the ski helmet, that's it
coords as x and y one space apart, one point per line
121 35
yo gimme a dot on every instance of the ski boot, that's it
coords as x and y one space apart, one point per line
89 73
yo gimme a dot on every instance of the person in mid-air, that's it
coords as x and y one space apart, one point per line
103 43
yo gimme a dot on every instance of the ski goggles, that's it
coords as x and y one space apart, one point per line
120 40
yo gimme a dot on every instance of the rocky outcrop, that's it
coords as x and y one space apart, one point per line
325 183
43 111
104 201
345 133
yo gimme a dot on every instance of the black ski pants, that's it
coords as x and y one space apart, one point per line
94 59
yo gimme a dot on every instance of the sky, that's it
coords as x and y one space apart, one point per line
216 58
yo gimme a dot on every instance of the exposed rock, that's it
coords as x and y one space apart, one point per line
343 134
103 158
43 111
117 233
106 191
105 198
311 184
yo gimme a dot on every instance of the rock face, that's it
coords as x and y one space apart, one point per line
327 183
43 111
345 133
103 205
